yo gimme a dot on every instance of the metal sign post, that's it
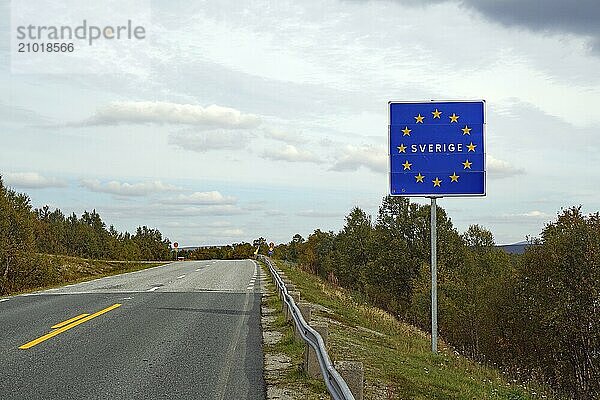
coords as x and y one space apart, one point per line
436 149
434 329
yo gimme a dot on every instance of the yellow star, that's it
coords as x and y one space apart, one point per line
419 118
436 182
419 178
471 147
454 177
406 165
406 131
436 113
466 130
402 148
454 118
467 164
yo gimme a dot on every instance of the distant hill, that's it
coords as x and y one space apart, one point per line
188 248
192 248
515 248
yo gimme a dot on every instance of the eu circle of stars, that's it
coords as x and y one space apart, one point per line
437 148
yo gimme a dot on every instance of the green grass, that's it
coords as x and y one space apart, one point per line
57 270
397 357
295 378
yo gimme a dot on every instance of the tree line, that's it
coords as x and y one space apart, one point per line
535 316
25 231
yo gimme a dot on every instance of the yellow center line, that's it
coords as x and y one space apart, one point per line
67 327
67 322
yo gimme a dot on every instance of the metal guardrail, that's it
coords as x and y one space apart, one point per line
336 386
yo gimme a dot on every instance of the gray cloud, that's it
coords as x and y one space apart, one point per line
579 17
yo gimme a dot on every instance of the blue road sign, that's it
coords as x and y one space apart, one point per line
437 148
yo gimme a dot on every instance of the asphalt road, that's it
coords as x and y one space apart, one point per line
186 330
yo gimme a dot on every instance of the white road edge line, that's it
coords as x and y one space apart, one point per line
1 300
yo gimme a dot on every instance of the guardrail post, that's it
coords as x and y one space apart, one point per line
306 312
317 336
290 288
311 362
353 373
287 311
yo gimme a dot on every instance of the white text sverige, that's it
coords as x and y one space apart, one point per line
437 148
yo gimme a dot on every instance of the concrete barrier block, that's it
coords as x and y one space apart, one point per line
305 310
290 287
287 312
353 373
311 362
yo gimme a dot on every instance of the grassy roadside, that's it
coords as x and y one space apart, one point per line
56 270
397 357
284 375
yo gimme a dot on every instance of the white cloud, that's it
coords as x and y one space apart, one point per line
127 189
31 180
202 198
351 158
141 112
534 217
290 153
210 140
501 169
284 136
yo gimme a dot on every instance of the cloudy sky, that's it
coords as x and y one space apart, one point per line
234 120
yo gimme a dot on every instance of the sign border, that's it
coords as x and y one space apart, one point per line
437 195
